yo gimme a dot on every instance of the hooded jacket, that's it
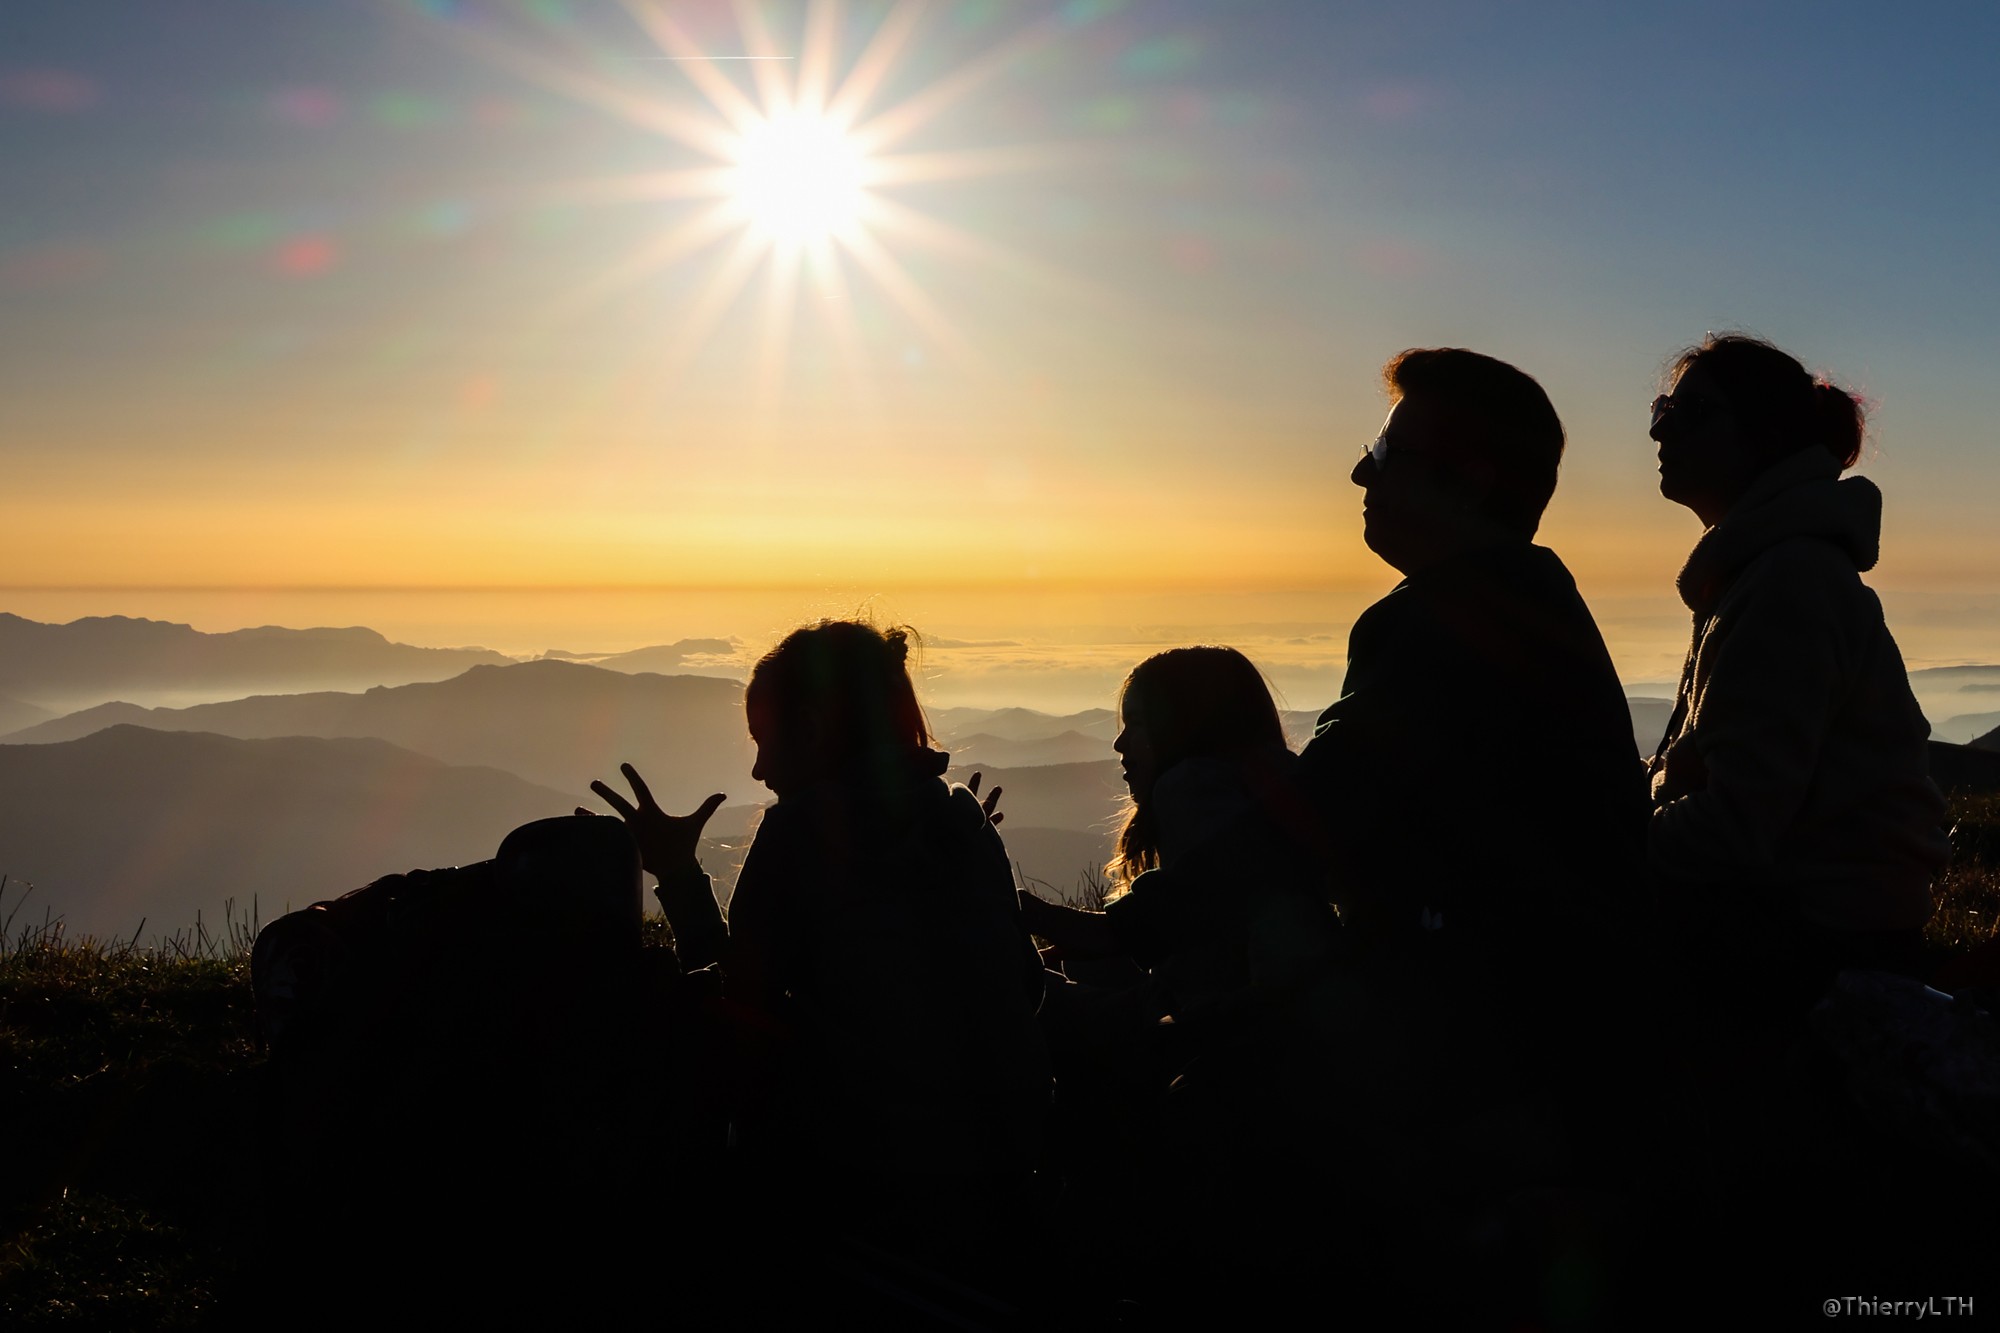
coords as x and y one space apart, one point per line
1794 768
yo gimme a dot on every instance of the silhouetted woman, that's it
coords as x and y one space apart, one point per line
1795 830
885 989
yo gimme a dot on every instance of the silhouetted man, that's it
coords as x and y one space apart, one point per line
1477 778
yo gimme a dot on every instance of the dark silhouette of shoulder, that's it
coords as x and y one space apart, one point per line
1479 763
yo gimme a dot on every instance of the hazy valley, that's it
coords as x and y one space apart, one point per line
118 810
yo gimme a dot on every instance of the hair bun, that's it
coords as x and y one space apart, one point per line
1841 417
898 639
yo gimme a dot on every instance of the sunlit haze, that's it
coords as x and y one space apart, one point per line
1053 328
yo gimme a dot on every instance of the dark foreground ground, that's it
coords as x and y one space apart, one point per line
128 1088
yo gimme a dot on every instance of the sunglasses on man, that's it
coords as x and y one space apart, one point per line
1681 413
1379 453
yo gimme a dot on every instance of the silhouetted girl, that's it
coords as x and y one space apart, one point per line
1220 900
885 988
1795 830
1213 890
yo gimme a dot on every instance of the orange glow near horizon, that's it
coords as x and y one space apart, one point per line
797 513
1025 315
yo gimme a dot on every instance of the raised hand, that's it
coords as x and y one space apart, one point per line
993 816
667 843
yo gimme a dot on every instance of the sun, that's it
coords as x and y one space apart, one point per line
798 178
793 175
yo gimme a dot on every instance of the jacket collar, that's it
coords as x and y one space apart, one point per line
1800 496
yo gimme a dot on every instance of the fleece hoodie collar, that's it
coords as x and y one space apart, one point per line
1802 496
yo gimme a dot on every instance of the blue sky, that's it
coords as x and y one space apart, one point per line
275 274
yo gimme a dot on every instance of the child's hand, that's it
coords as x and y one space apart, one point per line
667 843
992 801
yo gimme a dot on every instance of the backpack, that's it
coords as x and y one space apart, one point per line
453 1056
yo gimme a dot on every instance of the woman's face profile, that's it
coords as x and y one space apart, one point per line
774 766
1134 745
1705 462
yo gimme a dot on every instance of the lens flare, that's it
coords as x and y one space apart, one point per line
798 178
791 175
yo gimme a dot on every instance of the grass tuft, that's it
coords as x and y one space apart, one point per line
121 1065
1089 894
89 1261
1967 912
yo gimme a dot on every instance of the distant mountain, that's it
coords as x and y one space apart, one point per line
1022 724
89 661
1649 721
1959 695
1966 728
1069 747
1974 676
556 723
130 823
1084 798
14 715
1988 741
685 657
